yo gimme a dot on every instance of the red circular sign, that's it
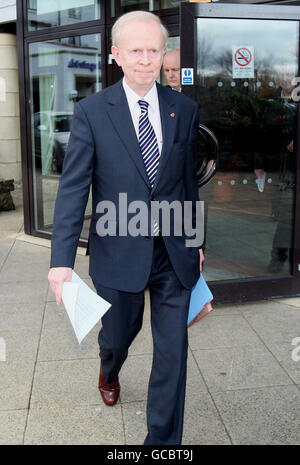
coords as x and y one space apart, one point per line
243 56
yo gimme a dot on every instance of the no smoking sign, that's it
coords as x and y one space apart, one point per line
242 61
243 56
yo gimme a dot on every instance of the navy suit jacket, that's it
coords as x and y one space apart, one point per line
103 151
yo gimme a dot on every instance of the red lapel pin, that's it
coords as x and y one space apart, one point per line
172 114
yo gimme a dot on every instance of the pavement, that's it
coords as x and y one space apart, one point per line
243 384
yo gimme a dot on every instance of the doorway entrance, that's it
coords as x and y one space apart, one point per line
245 64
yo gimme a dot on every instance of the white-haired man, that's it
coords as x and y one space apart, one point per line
135 137
171 65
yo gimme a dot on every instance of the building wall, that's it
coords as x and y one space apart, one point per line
10 153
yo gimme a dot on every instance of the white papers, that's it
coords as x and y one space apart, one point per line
84 306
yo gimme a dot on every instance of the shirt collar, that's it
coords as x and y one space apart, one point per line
151 97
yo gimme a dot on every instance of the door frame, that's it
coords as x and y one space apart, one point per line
25 38
246 289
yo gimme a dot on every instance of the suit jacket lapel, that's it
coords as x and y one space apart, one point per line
167 108
120 116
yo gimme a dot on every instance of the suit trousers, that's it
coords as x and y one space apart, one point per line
169 312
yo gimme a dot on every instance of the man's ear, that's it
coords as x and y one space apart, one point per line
116 54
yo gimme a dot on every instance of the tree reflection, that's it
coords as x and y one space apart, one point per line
252 118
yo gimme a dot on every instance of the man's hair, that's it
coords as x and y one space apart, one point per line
144 16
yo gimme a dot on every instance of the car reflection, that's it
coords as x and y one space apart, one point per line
51 137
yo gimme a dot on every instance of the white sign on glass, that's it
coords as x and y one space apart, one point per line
242 61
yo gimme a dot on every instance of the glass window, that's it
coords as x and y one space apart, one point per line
62 72
123 6
245 72
45 13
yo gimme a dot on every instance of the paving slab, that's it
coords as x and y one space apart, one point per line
288 356
278 323
75 425
135 374
134 378
224 310
135 422
261 416
20 330
221 331
66 383
12 220
58 340
21 315
194 380
43 242
26 262
294 301
147 309
202 423
12 426
265 306
20 344
23 292
240 367
15 384
5 247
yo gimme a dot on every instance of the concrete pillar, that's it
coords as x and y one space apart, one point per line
10 152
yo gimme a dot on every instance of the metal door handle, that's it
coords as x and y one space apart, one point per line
206 167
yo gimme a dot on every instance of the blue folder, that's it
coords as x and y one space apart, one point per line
200 296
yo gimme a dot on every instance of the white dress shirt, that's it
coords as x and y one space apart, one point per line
153 110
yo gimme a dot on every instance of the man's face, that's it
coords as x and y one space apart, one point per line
140 53
172 69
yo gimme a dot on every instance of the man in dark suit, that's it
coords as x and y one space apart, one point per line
135 137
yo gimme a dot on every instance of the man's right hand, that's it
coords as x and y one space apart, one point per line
57 277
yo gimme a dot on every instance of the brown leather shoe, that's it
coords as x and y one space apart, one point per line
109 391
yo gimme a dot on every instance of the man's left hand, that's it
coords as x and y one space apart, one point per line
202 258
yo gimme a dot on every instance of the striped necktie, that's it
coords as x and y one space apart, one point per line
149 148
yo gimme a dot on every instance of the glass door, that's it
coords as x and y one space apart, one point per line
62 71
245 67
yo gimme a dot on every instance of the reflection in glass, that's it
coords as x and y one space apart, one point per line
62 72
173 43
119 7
45 13
251 198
